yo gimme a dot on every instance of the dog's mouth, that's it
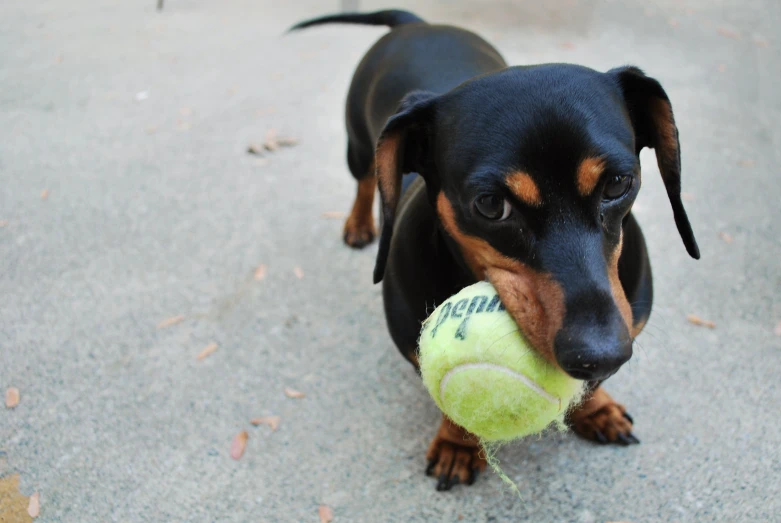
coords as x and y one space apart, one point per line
534 302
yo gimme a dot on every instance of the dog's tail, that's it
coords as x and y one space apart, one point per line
390 18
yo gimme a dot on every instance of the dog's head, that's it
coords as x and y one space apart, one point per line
532 172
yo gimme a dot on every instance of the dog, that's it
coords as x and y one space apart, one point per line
523 176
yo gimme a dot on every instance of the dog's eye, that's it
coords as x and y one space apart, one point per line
493 206
616 187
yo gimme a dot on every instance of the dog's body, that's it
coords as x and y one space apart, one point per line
524 176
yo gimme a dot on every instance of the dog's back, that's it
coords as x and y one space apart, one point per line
413 56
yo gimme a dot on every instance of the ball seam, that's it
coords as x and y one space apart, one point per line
492 366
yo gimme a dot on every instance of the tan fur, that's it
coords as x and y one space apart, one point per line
359 227
667 134
619 296
524 187
388 175
533 299
455 452
637 329
589 172
600 412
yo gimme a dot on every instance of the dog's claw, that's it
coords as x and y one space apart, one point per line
632 438
473 476
454 480
629 418
600 437
454 458
623 439
442 483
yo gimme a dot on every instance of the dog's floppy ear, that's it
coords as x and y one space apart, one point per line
402 148
652 118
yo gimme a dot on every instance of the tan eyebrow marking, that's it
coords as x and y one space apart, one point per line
588 174
524 187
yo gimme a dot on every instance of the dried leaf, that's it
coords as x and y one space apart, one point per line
173 320
185 111
181 125
210 348
262 162
293 393
761 42
326 514
728 33
746 163
673 22
287 141
299 272
271 421
12 397
687 196
334 215
276 75
34 508
238 444
13 504
696 320
260 272
567 45
3 223
151 129
721 68
271 143
59 59
726 237
44 194
777 330
255 148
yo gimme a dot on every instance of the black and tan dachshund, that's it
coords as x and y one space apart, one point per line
524 176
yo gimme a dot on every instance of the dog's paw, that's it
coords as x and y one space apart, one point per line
359 231
601 419
454 457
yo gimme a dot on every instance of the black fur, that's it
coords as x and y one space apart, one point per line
465 120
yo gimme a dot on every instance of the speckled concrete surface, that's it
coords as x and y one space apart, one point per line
154 209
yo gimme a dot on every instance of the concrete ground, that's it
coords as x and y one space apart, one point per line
136 123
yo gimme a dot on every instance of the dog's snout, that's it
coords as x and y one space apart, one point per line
593 352
584 361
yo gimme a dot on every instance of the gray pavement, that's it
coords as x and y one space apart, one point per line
137 122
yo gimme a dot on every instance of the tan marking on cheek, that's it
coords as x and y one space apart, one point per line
536 303
589 173
637 329
619 296
388 176
533 299
524 187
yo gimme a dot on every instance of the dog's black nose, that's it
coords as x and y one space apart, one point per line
588 362
594 352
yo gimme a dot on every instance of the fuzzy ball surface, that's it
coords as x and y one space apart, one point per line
484 375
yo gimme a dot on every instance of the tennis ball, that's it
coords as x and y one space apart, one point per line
484 375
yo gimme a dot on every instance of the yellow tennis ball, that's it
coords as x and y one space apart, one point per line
484 375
